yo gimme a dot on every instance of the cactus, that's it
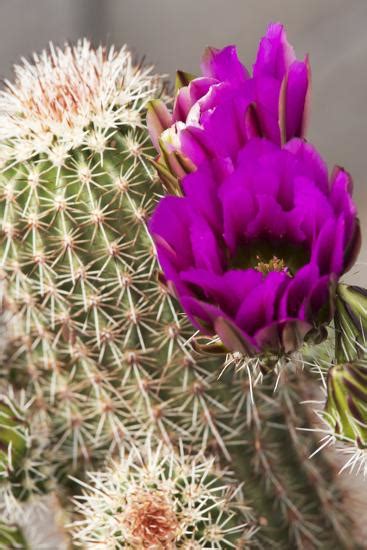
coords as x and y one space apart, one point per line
81 313
97 342
158 498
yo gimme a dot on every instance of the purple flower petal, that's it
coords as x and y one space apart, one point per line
256 149
201 314
223 64
298 289
267 93
297 86
201 188
195 144
216 287
226 126
341 200
279 79
201 87
308 198
328 251
182 106
219 93
233 337
259 306
311 163
270 220
170 227
204 244
275 54
239 208
353 248
210 319
188 96
320 302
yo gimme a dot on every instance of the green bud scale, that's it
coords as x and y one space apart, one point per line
346 406
350 322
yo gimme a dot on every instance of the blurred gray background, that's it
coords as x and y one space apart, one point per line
172 34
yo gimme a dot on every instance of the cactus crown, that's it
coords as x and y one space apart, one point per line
69 98
155 498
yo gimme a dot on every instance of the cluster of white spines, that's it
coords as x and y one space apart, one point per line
162 500
71 97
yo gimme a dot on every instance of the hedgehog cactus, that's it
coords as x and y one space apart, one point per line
75 251
156 498
97 342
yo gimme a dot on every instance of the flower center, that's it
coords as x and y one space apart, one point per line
267 256
150 519
274 264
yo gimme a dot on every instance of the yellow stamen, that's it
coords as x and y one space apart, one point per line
275 264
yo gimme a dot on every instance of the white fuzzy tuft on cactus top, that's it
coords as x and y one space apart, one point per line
70 97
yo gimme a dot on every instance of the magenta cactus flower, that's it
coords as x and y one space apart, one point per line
254 251
217 113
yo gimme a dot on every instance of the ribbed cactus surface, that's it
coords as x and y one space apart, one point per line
97 343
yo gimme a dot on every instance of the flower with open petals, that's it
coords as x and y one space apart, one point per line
217 113
254 251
